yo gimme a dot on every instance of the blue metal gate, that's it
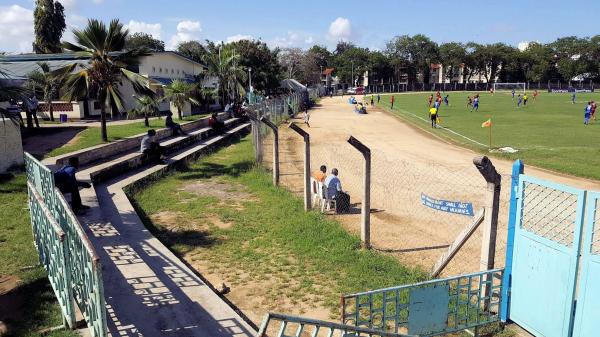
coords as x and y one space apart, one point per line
588 309
545 259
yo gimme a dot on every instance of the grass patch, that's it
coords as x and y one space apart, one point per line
299 258
548 133
32 305
92 137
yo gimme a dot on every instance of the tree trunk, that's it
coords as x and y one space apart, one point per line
146 121
50 110
179 113
103 122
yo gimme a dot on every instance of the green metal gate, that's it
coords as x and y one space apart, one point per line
64 250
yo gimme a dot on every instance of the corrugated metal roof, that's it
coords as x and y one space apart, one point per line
20 70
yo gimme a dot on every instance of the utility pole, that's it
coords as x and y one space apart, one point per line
352 73
249 79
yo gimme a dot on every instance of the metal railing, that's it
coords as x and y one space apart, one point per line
428 308
288 326
65 251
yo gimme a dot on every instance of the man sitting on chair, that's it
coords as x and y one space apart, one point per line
333 184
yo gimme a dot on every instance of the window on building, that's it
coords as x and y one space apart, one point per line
160 70
177 71
153 69
172 71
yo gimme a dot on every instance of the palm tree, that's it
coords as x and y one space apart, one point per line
224 64
47 82
179 93
146 106
102 75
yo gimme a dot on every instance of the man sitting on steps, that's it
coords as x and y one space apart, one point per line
216 124
151 148
67 183
176 128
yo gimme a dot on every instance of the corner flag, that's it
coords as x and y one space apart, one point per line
487 123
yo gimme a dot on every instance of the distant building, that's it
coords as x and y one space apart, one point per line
327 78
438 74
160 68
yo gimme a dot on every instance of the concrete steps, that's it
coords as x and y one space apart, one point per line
148 290
124 163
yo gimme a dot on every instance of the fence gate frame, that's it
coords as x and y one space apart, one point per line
531 250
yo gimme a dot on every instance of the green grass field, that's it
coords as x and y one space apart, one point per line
91 136
548 133
31 306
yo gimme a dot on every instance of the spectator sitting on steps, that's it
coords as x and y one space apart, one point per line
176 128
151 148
216 124
66 182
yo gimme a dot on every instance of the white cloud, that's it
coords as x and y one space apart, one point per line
238 37
292 39
186 31
98 1
153 29
16 29
340 30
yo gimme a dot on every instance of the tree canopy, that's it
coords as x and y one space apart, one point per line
142 40
49 25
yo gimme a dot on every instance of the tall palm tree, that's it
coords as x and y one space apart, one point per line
224 64
179 93
106 68
146 106
47 82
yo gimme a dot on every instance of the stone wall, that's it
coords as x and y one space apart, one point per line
11 148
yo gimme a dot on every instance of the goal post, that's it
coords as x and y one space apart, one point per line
517 86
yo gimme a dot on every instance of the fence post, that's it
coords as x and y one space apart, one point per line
493 179
275 149
490 229
517 169
365 230
306 136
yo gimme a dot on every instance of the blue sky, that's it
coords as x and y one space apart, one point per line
304 23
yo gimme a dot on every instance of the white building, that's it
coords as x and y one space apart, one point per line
438 74
160 68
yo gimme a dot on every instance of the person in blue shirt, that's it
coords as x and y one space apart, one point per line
587 114
333 184
519 100
573 95
475 103
446 100
513 94
67 183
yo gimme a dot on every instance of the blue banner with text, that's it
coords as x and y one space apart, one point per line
456 207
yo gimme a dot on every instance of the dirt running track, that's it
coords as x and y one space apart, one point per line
406 162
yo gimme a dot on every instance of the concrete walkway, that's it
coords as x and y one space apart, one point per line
148 290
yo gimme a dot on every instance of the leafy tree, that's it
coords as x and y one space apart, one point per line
568 52
224 63
380 67
490 58
539 63
146 106
416 53
104 71
193 50
343 46
46 82
266 71
452 56
49 25
353 61
142 40
321 56
180 93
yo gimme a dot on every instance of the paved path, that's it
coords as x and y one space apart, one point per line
148 290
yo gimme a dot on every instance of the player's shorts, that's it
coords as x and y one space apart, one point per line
434 117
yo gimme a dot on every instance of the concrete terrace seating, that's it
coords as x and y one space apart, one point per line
101 152
135 159
148 290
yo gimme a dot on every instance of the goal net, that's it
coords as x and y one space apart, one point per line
519 87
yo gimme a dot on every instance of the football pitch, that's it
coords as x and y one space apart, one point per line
548 133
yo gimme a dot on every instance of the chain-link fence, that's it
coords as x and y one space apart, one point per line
418 208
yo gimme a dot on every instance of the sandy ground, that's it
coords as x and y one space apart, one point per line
406 163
